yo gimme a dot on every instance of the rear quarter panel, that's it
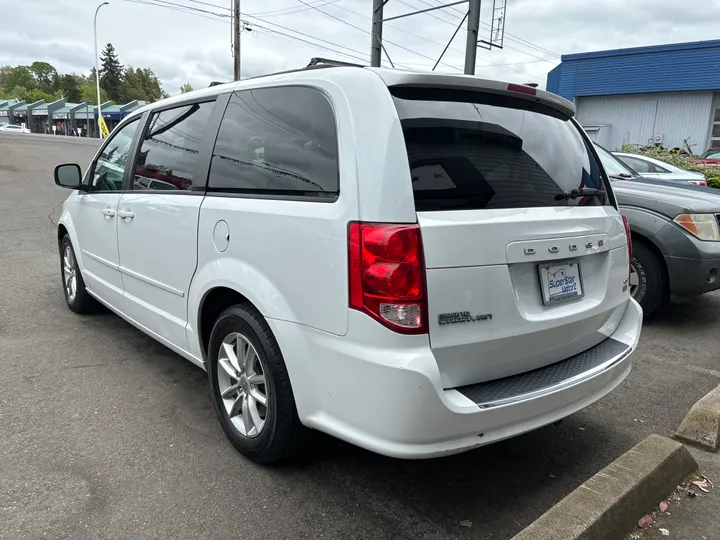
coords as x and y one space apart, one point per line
289 257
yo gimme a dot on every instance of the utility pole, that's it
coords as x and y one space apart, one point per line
237 31
376 35
472 16
471 45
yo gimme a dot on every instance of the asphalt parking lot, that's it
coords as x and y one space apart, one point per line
105 434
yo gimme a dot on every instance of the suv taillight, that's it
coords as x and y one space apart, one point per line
629 243
387 275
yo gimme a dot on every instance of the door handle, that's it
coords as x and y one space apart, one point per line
126 214
108 212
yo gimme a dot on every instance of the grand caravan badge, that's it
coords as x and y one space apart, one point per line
462 317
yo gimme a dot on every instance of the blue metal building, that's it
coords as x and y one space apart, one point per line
666 94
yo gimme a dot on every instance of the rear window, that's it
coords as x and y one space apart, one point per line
471 151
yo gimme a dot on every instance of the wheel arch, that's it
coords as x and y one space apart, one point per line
212 304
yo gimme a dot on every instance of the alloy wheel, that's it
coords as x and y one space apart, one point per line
634 280
69 274
242 384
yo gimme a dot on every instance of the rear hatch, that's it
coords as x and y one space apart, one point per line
521 273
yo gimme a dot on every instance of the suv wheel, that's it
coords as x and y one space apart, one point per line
648 278
251 387
76 295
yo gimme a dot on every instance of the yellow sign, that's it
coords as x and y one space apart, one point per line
103 128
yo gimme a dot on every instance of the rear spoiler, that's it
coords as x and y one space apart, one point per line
397 78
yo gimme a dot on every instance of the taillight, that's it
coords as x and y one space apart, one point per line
387 275
628 236
698 183
522 89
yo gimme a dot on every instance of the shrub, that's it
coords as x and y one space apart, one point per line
678 159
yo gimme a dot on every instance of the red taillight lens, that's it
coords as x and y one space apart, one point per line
698 183
629 243
523 89
387 275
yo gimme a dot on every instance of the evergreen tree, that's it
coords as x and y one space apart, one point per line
111 73
71 88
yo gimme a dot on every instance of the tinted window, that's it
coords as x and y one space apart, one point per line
612 165
110 166
170 148
276 141
492 153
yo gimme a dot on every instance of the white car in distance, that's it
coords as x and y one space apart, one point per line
654 168
12 128
398 259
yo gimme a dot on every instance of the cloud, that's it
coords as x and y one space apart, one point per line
182 47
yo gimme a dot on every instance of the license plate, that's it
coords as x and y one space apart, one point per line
560 282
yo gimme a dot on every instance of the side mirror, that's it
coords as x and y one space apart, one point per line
69 175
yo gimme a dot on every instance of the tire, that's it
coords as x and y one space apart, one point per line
263 433
652 289
76 295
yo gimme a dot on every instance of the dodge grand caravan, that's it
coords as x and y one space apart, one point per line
419 264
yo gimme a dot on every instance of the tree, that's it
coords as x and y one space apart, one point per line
150 83
36 95
45 75
132 87
70 87
185 88
20 76
89 93
16 92
111 73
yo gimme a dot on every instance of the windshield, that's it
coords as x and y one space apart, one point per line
713 153
468 151
613 166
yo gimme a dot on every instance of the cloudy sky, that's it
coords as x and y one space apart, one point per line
194 46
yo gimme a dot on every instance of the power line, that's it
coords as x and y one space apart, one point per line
271 31
426 39
386 40
512 36
454 24
190 8
295 9
180 9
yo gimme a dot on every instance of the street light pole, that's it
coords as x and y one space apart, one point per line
97 70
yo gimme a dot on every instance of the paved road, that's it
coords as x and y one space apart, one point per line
105 434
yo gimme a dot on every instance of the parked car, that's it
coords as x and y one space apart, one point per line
12 128
675 236
398 259
711 157
654 168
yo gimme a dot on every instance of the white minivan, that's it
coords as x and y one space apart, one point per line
419 264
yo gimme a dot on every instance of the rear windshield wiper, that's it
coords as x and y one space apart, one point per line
582 192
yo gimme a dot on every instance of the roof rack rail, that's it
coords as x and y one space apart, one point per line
317 61
215 83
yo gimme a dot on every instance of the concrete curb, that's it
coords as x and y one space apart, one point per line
701 426
609 504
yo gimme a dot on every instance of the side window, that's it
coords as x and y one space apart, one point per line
639 165
170 148
277 141
658 169
110 166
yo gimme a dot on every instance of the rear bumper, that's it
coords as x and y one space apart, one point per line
391 401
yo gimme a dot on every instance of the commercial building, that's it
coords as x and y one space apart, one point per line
663 94
62 118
